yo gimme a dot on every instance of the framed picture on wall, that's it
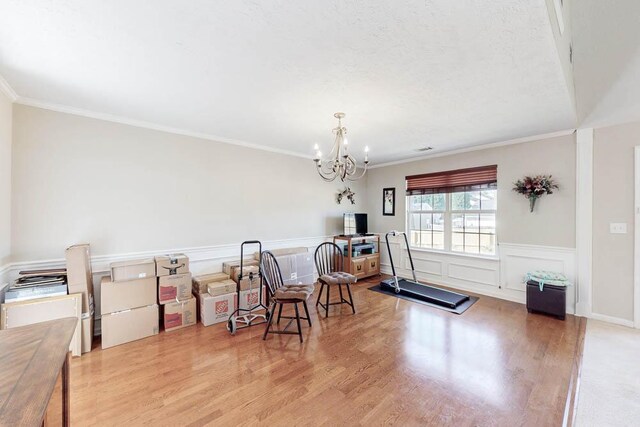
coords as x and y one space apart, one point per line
389 201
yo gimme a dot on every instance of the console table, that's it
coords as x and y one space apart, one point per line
31 358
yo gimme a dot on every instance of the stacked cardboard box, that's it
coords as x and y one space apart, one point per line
80 281
249 284
128 302
174 291
217 297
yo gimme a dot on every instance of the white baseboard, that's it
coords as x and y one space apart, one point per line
611 319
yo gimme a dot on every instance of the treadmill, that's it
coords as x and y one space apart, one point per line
413 289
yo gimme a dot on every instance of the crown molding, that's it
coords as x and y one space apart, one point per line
477 148
6 88
149 125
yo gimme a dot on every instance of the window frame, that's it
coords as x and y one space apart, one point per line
448 214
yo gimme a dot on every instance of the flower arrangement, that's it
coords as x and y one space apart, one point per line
535 187
348 194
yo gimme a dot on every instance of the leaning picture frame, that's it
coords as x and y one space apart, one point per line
389 201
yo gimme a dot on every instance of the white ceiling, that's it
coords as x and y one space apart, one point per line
409 74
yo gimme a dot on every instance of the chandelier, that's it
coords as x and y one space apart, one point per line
340 164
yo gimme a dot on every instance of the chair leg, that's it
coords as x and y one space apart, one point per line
327 307
340 289
298 321
320 293
353 306
266 330
279 313
306 310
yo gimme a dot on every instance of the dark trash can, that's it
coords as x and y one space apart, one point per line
550 300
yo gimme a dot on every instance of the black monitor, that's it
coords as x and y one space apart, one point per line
355 224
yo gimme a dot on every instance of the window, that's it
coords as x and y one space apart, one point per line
456 218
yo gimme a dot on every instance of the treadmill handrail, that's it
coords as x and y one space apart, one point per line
406 242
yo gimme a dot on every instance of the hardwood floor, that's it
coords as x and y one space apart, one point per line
394 362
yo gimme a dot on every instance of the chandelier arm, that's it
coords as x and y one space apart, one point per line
328 175
364 170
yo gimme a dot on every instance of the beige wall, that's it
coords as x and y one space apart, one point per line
5 178
127 189
551 224
613 201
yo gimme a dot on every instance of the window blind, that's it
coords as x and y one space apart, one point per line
479 178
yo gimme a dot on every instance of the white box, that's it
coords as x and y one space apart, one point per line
217 309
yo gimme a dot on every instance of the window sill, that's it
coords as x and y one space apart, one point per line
456 254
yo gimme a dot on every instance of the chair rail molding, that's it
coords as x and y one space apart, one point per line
202 259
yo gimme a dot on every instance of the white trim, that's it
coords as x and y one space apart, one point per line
460 254
454 150
153 126
611 319
636 251
557 6
584 220
6 88
201 259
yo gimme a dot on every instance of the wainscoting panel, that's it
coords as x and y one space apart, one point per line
501 277
485 275
516 260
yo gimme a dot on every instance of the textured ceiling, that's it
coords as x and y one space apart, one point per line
409 74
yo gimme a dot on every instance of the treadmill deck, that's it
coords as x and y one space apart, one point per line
427 293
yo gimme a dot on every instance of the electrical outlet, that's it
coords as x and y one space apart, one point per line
618 228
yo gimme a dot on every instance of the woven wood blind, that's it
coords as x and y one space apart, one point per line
483 177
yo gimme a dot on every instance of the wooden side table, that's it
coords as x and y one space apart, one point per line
31 358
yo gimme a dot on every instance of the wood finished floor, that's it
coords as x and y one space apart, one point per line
394 362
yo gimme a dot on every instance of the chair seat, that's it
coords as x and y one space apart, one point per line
338 278
293 292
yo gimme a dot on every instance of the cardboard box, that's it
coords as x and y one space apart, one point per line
226 266
251 298
174 288
128 294
129 325
79 275
200 283
247 283
284 251
86 327
24 313
168 265
220 288
216 309
179 314
134 269
247 271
